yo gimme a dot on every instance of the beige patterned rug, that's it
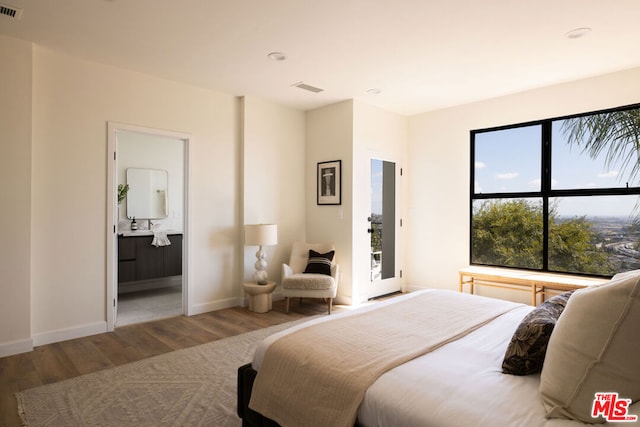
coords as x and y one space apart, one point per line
191 387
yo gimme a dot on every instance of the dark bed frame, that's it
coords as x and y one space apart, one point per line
251 418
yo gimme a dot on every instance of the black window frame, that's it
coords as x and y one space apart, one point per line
546 192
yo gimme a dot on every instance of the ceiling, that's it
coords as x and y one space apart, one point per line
421 55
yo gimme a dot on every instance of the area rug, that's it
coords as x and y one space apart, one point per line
190 387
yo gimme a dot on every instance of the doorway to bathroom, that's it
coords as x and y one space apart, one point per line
147 255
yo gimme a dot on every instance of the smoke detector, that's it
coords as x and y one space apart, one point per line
277 56
577 33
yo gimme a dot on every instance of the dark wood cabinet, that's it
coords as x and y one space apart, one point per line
173 258
139 262
126 259
149 259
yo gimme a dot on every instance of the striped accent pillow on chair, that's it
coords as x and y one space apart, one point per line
319 263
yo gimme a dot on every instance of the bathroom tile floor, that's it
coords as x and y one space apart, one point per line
145 306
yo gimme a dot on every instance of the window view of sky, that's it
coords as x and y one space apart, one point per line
573 168
510 161
376 186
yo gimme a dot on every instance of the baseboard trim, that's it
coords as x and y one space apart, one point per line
343 300
415 288
49 337
213 306
16 347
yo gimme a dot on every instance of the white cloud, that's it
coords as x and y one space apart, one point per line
480 165
610 174
507 175
537 183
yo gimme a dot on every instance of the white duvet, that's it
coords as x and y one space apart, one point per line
459 384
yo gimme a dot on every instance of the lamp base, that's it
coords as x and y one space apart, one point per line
260 275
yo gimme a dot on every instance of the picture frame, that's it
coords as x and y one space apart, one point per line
329 183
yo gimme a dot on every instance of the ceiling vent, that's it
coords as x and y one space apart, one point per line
307 87
10 11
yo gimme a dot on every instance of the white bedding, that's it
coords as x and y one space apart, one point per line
459 384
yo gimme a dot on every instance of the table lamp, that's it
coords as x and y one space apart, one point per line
260 235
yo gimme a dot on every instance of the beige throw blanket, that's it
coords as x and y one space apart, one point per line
317 376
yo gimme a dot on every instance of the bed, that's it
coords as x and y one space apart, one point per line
460 381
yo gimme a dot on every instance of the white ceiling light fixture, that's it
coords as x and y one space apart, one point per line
374 91
277 56
576 33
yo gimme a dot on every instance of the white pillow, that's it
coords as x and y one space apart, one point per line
594 347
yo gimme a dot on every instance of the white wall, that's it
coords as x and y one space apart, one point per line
329 136
439 165
53 275
273 179
73 101
383 135
350 131
15 196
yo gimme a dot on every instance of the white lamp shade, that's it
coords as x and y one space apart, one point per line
260 234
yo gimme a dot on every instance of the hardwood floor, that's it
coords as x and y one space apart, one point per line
59 361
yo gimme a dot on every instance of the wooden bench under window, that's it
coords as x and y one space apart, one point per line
538 284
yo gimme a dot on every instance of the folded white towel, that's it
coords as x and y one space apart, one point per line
160 238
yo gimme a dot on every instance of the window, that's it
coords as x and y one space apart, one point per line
560 195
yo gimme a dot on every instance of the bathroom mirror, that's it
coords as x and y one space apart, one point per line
147 197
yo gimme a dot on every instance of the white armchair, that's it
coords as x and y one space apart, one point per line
297 283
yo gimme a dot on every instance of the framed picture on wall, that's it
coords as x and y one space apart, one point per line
330 183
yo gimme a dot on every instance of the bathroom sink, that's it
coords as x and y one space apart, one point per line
135 232
127 233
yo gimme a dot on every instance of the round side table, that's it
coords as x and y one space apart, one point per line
259 296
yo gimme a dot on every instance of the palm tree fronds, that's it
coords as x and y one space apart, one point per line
615 134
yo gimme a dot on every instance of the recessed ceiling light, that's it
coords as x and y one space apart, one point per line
277 56
578 32
374 91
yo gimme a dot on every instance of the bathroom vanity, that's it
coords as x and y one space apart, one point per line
142 266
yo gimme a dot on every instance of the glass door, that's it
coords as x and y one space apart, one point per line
382 228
